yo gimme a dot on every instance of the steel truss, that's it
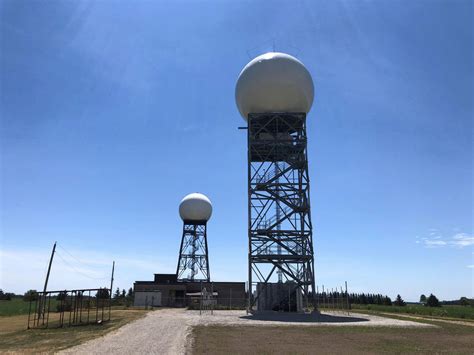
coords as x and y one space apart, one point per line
193 262
279 225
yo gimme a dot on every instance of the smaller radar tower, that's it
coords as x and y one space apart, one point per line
193 264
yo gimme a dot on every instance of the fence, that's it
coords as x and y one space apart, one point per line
55 309
335 301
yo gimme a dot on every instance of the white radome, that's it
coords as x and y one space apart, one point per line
274 82
195 207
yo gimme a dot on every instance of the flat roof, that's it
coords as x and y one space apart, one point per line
187 282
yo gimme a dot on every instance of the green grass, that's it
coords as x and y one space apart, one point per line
16 306
451 311
445 339
14 338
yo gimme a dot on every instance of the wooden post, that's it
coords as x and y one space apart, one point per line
111 286
49 268
43 303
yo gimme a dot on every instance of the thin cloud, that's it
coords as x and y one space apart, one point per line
434 243
462 240
436 240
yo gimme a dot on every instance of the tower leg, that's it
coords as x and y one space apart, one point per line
193 261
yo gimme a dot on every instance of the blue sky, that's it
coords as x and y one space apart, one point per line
111 112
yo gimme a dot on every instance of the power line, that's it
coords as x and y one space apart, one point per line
78 271
77 259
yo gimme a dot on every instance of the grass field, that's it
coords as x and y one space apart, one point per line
15 338
458 312
333 340
17 306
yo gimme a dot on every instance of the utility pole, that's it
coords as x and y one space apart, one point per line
112 278
42 300
49 268
111 285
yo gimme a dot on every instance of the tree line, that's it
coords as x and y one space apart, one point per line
370 298
123 297
379 299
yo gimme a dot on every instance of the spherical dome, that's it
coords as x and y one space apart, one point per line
274 82
195 207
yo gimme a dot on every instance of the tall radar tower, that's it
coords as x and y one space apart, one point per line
274 93
193 264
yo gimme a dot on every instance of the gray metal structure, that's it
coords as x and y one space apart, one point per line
70 308
279 223
193 262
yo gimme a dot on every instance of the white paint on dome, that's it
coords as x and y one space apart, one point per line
274 82
195 207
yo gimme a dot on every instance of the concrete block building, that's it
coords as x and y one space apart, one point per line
166 291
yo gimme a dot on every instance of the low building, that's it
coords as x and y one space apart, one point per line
279 297
167 291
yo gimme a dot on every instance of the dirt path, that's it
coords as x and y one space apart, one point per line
409 316
167 331
159 332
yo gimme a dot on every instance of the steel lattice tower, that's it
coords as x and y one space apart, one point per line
279 224
193 262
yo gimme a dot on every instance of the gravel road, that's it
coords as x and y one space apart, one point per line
168 331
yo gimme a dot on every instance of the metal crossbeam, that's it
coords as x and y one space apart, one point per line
279 226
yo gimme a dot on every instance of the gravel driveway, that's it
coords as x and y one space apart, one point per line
168 331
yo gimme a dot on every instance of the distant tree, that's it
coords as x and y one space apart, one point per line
30 295
464 301
124 294
399 301
387 301
432 301
379 299
423 299
61 296
6 296
117 293
130 293
103 293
